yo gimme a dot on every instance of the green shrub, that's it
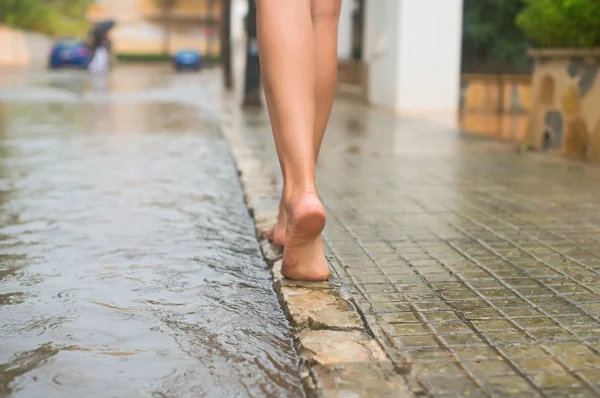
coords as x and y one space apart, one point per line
135 57
561 23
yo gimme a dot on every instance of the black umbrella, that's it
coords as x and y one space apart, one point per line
102 28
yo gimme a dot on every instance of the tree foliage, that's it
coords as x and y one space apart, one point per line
55 17
561 23
489 31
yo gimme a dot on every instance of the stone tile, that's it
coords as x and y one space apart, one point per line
464 339
507 337
535 323
440 316
390 306
591 376
399 317
317 308
581 361
487 325
577 320
488 368
538 364
482 353
434 306
385 297
506 385
485 314
418 341
406 329
360 380
522 312
469 305
439 369
555 380
430 355
551 334
570 392
447 328
441 386
586 332
332 347
569 348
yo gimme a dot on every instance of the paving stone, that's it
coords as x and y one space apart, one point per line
439 385
331 347
488 368
360 380
555 380
506 385
538 364
319 309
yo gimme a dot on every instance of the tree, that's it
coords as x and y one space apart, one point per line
561 23
65 17
166 7
490 36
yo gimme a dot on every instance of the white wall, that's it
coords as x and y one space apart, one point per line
239 9
413 49
379 51
430 52
345 31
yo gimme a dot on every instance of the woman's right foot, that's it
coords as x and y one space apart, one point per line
276 232
303 253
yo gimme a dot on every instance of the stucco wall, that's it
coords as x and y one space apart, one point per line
23 49
565 112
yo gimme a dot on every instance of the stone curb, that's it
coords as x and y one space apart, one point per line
338 356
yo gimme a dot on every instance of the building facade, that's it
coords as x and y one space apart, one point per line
144 27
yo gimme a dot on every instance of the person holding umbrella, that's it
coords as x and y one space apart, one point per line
100 47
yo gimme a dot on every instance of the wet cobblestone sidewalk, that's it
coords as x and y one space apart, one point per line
476 267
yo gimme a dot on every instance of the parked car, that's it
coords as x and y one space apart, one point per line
187 59
68 53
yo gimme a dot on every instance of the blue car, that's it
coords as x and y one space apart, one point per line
188 59
68 53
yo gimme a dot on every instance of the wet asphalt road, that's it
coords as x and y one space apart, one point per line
128 263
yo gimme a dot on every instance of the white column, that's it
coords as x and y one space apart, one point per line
414 49
345 31
380 51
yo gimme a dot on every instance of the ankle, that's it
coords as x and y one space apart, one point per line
293 195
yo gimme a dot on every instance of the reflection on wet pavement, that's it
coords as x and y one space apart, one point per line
128 262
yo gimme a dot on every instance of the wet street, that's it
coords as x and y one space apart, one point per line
475 266
128 261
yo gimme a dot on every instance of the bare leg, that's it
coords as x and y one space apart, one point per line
288 63
325 17
276 233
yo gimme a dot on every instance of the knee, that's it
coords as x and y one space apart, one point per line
325 10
